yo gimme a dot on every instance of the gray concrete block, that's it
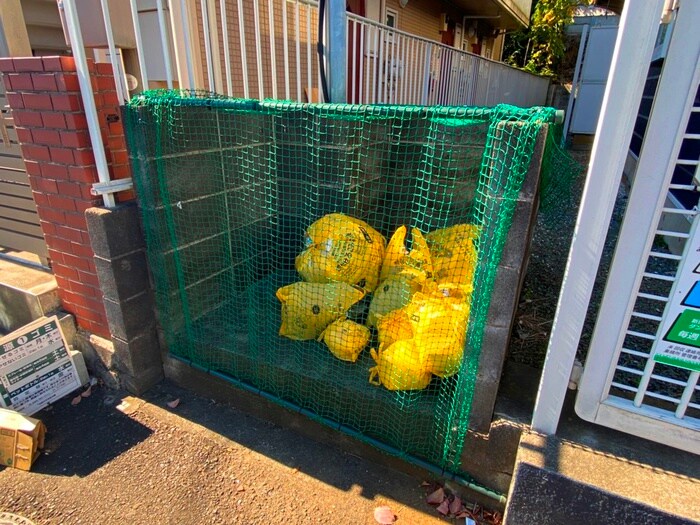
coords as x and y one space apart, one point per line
143 381
115 231
489 457
98 354
517 246
531 184
67 322
123 277
132 317
504 297
493 350
141 353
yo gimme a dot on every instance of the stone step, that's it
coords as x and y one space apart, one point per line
26 294
590 474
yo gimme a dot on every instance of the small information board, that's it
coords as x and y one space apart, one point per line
35 367
678 342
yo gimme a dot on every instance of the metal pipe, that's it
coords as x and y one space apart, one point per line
244 58
188 49
164 44
273 47
119 84
227 51
139 45
207 45
81 66
337 29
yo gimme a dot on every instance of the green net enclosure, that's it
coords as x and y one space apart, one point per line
338 259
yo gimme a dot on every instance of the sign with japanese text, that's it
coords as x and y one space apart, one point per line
678 342
35 367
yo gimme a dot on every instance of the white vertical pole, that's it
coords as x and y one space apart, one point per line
164 44
361 62
687 394
309 56
258 48
227 51
139 44
244 57
120 85
285 47
297 37
273 48
81 65
188 45
207 45
353 26
635 42
426 73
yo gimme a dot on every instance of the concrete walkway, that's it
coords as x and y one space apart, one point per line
113 459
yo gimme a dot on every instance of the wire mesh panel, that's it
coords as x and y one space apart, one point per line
340 258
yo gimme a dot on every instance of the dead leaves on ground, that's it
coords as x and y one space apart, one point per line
384 516
450 505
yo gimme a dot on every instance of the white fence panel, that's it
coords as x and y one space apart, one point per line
388 66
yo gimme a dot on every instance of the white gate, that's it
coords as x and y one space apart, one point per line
623 385
626 385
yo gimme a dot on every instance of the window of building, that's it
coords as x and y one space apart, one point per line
391 18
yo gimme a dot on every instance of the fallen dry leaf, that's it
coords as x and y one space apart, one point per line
87 392
456 505
426 484
77 399
444 508
384 516
174 403
436 497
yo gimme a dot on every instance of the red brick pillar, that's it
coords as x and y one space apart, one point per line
44 95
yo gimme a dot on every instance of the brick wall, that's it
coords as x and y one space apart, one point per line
44 95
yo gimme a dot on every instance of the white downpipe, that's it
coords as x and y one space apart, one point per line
285 47
258 49
164 43
273 47
139 44
633 49
122 91
78 48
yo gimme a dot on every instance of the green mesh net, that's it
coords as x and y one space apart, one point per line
338 258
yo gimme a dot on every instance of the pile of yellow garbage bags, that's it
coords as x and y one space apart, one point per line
419 299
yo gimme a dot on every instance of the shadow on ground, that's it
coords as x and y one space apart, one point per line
84 438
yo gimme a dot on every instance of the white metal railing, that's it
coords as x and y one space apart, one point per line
389 66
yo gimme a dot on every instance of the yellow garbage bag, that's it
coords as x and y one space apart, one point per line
440 327
453 293
399 367
454 253
345 339
394 254
307 308
392 294
342 248
399 260
394 326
